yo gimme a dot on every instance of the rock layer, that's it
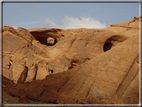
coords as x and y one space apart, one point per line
89 66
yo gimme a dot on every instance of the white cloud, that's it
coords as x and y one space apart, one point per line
70 22
14 27
49 22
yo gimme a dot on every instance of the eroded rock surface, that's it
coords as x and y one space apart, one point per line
74 66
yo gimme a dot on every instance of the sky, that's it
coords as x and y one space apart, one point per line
67 15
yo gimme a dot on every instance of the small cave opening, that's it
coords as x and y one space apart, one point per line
113 41
107 46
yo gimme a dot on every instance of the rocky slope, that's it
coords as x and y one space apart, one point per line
73 66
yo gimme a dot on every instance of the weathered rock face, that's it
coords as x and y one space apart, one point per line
90 66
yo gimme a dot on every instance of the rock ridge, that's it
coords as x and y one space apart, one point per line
73 66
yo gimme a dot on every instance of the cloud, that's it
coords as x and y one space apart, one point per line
71 22
49 22
14 27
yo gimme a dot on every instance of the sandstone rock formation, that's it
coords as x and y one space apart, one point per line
78 66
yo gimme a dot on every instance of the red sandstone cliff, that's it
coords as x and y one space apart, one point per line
74 66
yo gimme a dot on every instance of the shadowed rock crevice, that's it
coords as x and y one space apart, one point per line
131 74
35 69
23 75
73 63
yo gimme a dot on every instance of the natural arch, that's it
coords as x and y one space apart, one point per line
43 38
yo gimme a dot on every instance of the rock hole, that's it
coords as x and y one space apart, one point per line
50 70
107 46
113 41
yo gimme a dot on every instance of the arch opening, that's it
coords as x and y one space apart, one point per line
48 40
